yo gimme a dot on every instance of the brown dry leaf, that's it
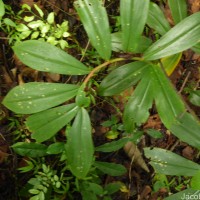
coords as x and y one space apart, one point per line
188 153
145 192
28 2
52 77
133 152
123 97
168 15
153 122
31 3
194 5
3 156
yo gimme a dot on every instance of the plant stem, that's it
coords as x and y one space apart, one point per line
100 67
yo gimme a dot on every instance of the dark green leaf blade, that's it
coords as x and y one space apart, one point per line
111 169
117 46
137 108
157 20
195 97
133 15
178 9
166 98
32 150
172 110
79 148
112 146
35 97
46 124
184 194
56 148
196 48
166 162
45 57
195 182
95 21
122 78
181 37
186 128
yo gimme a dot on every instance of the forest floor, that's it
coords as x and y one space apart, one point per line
141 184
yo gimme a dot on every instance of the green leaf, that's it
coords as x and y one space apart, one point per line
170 62
34 97
133 15
112 187
156 19
166 98
178 9
22 28
195 97
36 24
154 133
32 150
50 18
81 99
195 182
46 124
2 9
95 21
166 162
196 48
56 148
137 108
112 146
116 38
111 169
181 37
95 188
79 148
185 195
39 10
9 22
29 18
186 128
122 78
45 57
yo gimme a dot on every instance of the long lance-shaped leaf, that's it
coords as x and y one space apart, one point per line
184 193
2 9
79 147
178 9
172 111
187 129
45 57
110 168
46 124
156 19
168 102
196 48
117 46
95 21
181 37
166 162
35 97
133 15
137 109
122 78
195 97
33 150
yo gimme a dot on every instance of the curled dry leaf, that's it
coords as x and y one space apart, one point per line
133 152
194 5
